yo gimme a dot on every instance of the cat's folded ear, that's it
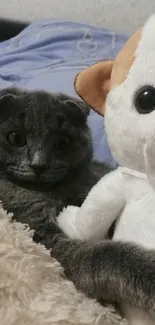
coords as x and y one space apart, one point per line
78 104
7 100
8 95
14 92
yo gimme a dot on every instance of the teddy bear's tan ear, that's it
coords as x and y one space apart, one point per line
93 84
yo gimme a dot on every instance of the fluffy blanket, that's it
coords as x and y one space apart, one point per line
33 289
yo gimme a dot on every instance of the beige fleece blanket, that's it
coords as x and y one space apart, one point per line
33 289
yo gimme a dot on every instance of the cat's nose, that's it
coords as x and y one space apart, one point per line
38 168
38 163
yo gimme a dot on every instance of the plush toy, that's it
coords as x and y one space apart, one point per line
124 91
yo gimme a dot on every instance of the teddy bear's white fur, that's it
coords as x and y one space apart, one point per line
33 288
126 195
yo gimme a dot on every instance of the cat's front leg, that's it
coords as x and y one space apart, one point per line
110 271
29 207
23 203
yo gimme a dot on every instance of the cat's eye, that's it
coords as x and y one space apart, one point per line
145 100
16 139
63 142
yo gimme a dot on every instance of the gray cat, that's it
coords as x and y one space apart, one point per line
46 156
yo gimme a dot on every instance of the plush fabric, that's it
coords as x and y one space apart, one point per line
33 289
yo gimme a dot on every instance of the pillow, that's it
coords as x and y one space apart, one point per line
48 55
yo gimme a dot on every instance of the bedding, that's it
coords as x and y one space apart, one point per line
48 55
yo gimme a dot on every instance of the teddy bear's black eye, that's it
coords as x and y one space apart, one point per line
145 100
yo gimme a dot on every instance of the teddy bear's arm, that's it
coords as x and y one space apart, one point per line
101 207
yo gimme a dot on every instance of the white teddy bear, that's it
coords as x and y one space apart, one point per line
124 91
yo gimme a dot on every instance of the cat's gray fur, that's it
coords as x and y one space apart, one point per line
109 271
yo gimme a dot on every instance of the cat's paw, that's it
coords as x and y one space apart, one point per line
67 221
47 234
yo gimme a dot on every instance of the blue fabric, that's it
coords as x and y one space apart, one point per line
48 55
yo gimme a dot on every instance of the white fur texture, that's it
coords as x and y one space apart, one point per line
128 131
101 207
33 289
120 193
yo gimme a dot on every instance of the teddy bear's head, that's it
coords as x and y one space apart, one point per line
124 91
